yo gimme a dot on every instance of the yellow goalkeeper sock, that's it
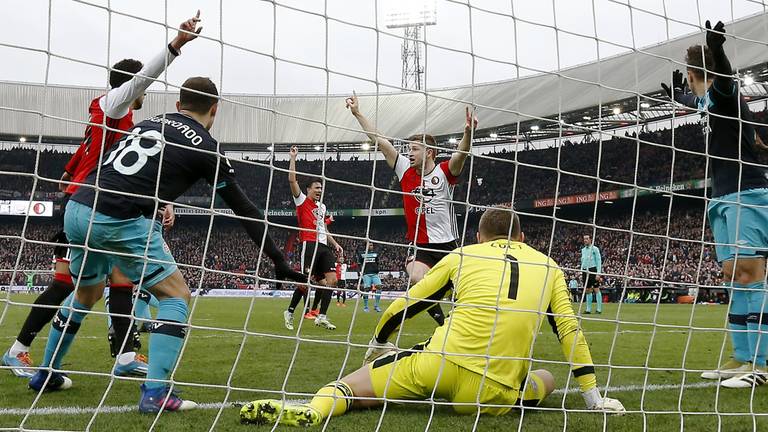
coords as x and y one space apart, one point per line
333 400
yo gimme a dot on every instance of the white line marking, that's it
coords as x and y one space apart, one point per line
90 410
640 387
218 405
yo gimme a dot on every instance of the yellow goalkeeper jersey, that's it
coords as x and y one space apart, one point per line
502 292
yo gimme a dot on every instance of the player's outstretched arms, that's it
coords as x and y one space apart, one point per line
236 199
679 91
456 163
118 100
387 149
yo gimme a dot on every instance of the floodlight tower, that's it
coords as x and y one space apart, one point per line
411 16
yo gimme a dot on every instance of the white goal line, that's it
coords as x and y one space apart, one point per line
218 405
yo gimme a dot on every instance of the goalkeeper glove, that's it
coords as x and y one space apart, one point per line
715 36
679 85
376 349
595 402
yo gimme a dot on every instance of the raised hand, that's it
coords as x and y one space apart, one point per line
471 120
716 35
679 84
188 31
352 103
293 152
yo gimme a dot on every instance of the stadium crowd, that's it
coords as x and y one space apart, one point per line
652 157
640 258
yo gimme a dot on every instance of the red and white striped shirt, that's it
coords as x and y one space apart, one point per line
112 110
427 201
311 216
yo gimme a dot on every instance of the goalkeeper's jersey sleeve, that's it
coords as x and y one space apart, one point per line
503 292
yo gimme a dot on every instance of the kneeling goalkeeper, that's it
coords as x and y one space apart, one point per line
503 290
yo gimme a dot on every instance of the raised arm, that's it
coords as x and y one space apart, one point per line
723 81
456 163
679 91
118 100
295 189
387 149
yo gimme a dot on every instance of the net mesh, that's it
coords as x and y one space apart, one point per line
579 150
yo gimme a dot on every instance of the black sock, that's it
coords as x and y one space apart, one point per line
39 317
318 296
325 296
295 299
436 312
121 302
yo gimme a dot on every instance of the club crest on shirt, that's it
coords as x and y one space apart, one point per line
423 194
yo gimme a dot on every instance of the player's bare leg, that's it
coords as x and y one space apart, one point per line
416 271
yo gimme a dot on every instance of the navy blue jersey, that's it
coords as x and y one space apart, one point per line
733 158
162 156
369 262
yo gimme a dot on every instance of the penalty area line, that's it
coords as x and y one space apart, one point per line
218 405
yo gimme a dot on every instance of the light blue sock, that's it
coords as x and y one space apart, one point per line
141 308
589 302
757 323
599 298
737 324
376 299
165 340
365 301
153 301
106 306
64 331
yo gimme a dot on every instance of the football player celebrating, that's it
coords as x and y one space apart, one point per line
159 160
428 194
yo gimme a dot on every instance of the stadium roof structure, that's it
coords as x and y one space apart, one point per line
617 91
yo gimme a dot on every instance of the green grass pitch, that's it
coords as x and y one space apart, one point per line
273 359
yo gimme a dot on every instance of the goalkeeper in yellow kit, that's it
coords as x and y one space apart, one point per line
503 290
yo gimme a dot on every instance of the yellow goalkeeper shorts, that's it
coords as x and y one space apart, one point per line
416 374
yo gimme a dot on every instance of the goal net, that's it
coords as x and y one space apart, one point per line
608 173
